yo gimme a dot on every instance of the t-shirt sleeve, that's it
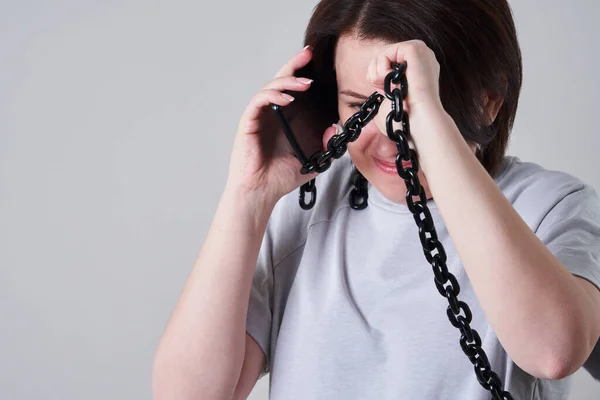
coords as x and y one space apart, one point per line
571 230
285 231
260 306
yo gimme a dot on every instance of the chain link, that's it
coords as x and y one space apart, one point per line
360 191
458 312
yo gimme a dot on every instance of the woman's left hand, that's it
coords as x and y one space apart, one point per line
422 74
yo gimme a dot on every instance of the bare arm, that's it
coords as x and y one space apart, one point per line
202 351
205 351
553 323
254 362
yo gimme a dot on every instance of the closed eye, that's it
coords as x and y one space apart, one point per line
355 105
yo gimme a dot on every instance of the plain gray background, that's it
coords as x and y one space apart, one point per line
116 124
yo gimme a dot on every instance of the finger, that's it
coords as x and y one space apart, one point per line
372 75
381 65
328 134
298 61
289 83
381 117
263 99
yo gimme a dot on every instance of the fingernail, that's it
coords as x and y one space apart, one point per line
304 80
306 47
287 96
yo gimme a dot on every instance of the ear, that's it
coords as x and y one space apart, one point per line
492 104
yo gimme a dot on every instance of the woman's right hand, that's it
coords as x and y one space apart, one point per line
262 164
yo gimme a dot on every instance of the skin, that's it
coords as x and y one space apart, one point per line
553 322
352 59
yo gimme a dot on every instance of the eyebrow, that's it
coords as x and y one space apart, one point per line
354 94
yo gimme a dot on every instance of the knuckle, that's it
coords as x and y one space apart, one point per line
415 44
268 85
260 96
271 92
289 80
411 50
419 46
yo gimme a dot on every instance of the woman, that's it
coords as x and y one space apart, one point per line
340 303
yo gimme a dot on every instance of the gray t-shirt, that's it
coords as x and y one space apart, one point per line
344 305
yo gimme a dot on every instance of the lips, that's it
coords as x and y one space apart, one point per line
392 164
390 168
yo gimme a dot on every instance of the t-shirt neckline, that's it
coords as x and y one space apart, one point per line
378 199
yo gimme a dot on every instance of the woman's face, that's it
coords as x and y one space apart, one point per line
352 58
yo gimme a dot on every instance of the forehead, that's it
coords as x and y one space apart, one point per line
352 58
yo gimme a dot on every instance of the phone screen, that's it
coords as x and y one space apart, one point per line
312 111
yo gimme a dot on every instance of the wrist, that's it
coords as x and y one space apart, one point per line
430 120
249 205
427 108
430 125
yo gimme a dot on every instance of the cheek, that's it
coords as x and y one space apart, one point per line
359 149
345 112
370 138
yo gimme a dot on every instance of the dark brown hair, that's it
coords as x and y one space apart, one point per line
475 43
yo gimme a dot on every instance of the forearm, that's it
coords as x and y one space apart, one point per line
201 352
530 299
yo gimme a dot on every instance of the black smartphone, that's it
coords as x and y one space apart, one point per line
305 119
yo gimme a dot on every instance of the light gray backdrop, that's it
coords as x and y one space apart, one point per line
116 124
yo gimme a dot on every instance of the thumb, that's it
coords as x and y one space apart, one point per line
329 133
380 119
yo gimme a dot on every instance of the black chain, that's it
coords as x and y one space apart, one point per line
308 187
470 341
336 147
360 192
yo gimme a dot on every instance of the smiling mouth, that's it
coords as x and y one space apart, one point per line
390 168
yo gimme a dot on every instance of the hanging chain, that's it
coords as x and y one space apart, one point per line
308 187
336 147
470 341
360 192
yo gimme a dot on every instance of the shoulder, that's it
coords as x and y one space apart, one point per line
289 224
534 190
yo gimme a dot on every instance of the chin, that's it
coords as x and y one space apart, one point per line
384 178
394 192
391 186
